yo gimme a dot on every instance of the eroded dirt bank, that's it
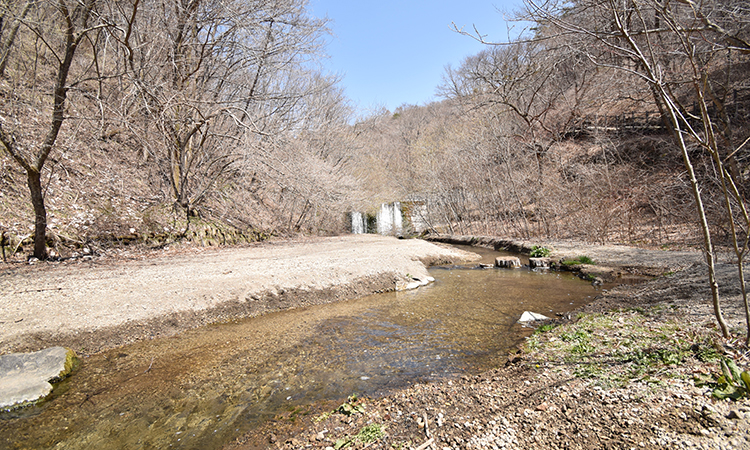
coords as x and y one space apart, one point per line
612 261
107 302
620 375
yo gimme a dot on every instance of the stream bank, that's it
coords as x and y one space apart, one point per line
620 375
94 304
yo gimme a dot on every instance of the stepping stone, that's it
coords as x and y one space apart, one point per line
25 377
540 262
508 262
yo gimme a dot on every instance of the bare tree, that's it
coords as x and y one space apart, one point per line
12 16
674 48
57 30
213 80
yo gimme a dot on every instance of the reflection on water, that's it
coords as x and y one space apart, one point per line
207 386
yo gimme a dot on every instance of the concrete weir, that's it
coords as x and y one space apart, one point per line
508 262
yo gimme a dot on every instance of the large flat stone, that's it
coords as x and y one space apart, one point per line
25 377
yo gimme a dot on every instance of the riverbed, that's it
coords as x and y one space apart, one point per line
206 386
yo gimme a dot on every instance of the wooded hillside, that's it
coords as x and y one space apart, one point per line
155 120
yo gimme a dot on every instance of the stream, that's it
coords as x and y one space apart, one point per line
205 387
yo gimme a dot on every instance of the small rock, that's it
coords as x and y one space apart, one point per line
529 316
735 415
542 407
272 438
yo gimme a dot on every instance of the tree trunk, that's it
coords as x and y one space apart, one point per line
708 250
40 213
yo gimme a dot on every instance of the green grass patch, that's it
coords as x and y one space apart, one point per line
577 261
545 328
617 348
366 435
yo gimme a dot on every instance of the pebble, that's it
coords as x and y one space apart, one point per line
735 415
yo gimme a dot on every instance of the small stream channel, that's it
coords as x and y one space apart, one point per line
205 387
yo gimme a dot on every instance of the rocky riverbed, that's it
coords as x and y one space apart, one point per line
633 369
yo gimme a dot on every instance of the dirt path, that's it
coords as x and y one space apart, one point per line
103 303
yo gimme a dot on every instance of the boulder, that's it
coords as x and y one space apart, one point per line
508 262
25 377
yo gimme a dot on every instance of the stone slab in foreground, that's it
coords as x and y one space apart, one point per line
25 377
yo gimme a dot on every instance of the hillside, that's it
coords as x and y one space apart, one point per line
136 136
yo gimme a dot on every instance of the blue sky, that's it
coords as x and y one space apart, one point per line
393 52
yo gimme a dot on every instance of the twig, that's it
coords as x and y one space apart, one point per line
38 290
9 320
149 366
429 442
20 241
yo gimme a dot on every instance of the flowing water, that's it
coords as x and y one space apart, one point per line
389 220
205 387
359 223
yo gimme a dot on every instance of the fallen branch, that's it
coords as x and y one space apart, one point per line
429 442
20 241
38 290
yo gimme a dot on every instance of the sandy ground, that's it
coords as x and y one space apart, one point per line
106 302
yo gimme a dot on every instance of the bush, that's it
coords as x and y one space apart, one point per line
539 252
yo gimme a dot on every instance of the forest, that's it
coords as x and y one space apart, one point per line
154 121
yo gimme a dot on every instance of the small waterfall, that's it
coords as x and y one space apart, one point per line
359 223
389 219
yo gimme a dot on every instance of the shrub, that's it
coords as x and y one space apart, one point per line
539 252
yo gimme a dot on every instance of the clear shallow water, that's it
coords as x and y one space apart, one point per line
205 387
